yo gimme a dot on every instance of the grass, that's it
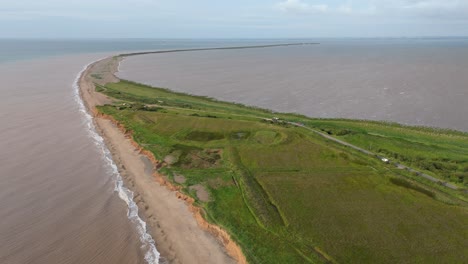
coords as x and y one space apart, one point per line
440 153
287 195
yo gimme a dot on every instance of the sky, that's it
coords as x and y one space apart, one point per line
232 19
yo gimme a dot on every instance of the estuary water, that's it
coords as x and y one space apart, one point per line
60 198
420 82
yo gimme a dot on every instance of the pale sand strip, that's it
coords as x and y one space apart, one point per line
181 234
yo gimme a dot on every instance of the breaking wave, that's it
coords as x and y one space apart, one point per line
152 254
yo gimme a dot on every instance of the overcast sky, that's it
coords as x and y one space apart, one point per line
232 19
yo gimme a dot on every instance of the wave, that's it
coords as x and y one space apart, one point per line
152 255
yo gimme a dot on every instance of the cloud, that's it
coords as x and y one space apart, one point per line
349 9
74 9
298 6
452 9
302 7
432 9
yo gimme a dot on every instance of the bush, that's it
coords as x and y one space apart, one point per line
345 132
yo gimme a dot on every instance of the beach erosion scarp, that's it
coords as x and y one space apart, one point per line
180 232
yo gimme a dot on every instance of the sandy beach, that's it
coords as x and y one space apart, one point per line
181 234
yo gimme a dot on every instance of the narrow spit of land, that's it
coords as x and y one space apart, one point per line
218 48
178 235
283 193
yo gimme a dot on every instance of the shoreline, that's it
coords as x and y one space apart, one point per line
181 233
148 160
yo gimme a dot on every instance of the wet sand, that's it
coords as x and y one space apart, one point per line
411 82
58 203
180 233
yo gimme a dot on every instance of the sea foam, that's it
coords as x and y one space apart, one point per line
152 255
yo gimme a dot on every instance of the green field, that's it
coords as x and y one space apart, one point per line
443 154
288 195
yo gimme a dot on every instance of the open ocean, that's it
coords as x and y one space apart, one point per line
58 198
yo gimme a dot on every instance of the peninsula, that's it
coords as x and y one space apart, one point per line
220 182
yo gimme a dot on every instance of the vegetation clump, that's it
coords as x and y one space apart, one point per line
204 136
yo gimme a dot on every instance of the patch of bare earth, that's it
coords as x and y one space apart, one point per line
179 179
209 158
202 193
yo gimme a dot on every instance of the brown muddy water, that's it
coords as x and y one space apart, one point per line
61 198
419 82
58 202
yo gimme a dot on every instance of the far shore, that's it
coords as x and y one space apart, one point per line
178 228
218 48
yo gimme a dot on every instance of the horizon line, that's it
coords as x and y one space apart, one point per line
228 38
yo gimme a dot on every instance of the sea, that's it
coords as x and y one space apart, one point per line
61 197
421 82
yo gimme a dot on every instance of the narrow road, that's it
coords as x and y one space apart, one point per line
398 165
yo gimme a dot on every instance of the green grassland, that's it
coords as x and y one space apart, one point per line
443 154
288 195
